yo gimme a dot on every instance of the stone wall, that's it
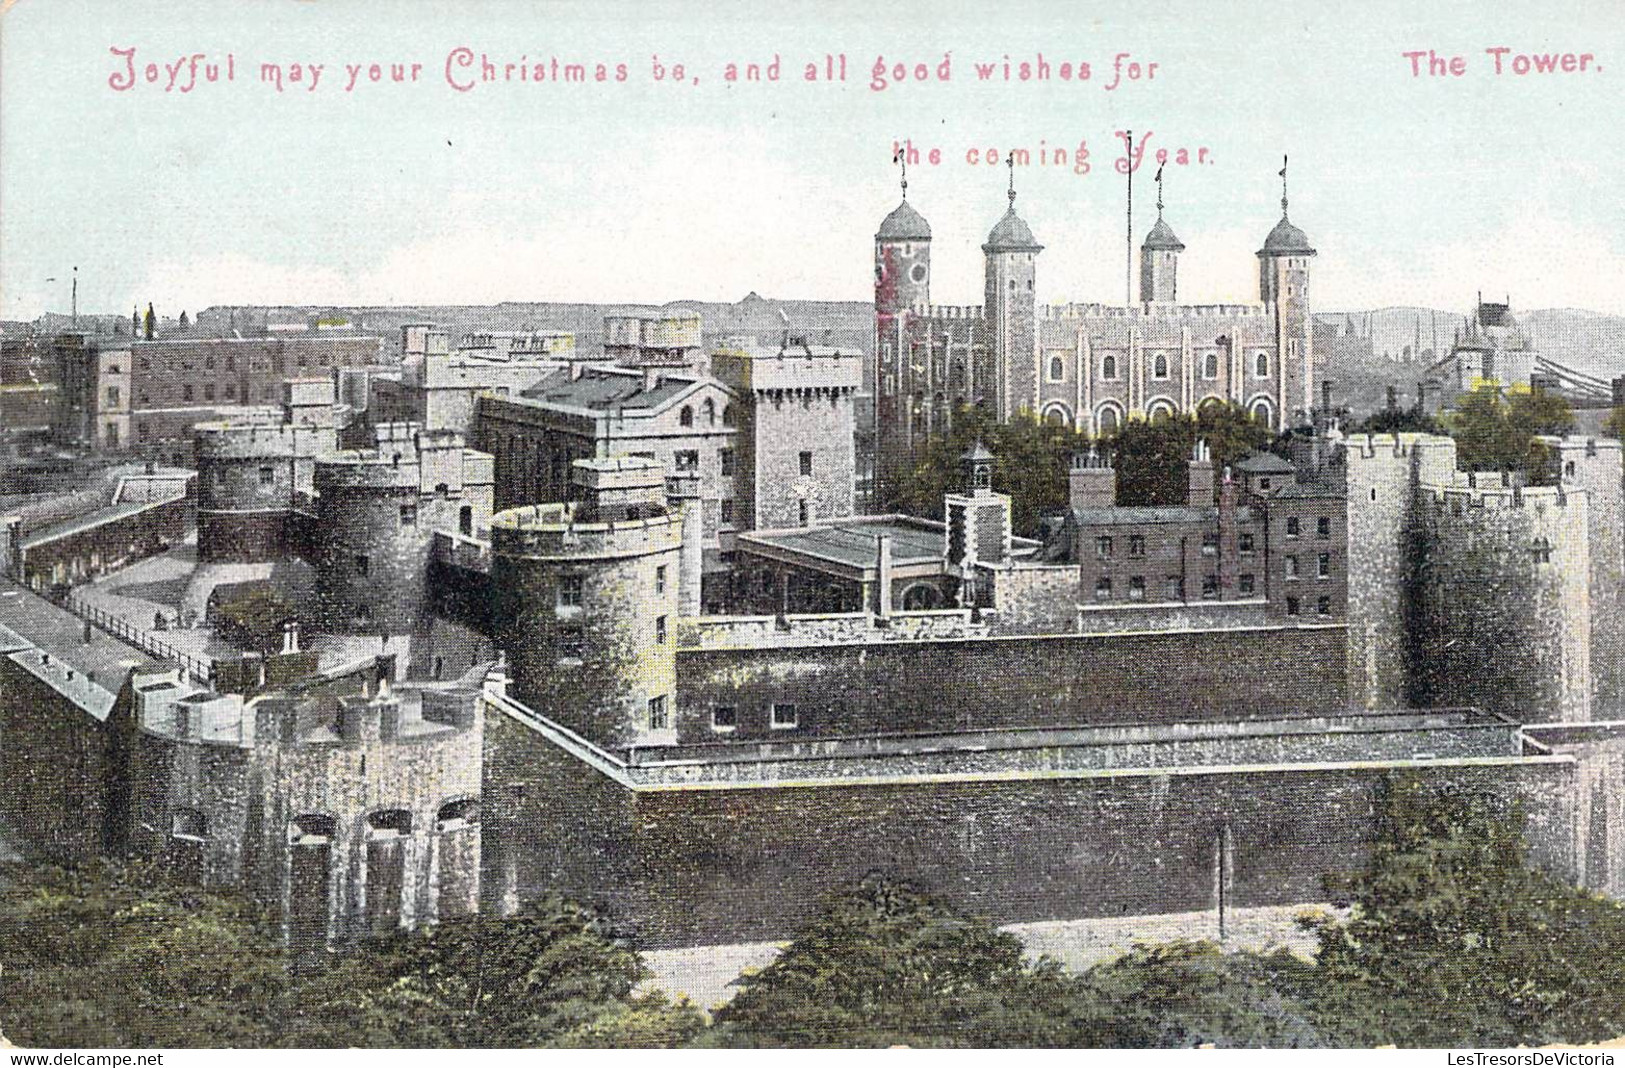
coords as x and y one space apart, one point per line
53 766
1015 682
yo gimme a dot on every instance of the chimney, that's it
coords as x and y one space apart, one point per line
883 576
1092 483
651 378
1200 467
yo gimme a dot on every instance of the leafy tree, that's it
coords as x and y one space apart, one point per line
884 964
1151 455
1184 994
1398 421
546 976
114 956
1496 434
1455 938
1614 424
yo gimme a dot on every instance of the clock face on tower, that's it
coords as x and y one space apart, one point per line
916 273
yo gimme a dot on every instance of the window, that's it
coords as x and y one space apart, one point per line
1103 588
1108 368
784 716
806 463
112 435
710 413
112 396
208 391
1291 567
570 590
1323 527
1244 542
1291 606
660 630
657 713
1136 588
1245 584
687 461
1175 588
1136 545
1323 606
727 510
409 515
802 515
1210 545
572 641
1291 526
686 416
208 362
1323 565
1264 484
1210 587
1261 365
219 474
723 718
142 430
725 460
362 565
231 391
186 393
1159 366
1103 548
1210 366
660 579
267 476
1057 369
231 363
1542 551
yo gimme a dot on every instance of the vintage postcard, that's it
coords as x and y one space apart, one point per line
851 525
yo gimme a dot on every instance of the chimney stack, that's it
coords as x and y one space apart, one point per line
1092 483
1200 467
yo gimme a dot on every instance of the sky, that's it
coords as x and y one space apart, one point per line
1415 190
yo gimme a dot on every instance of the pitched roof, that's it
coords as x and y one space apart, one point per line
904 224
1162 237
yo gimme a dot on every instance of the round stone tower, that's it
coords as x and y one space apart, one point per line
371 540
589 603
251 477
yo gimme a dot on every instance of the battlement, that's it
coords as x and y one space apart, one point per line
1467 494
254 441
552 531
368 469
955 312
1155 310
839 628
793 367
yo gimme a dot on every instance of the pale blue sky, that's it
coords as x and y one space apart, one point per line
1415 191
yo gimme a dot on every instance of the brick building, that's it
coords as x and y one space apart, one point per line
122 395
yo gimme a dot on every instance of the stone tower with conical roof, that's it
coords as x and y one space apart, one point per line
1283 286
902 291
1159 259
1012 267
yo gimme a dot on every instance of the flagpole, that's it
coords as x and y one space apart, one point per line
1128 267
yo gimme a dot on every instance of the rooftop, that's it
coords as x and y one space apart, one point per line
1138 516
855 542
31 625
609 391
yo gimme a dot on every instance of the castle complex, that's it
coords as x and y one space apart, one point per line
1089 366
608 626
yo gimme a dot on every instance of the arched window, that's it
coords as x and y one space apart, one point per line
1210 365
1057 369
1261 365
727 415
1108 368
710 412
686 416
1159 367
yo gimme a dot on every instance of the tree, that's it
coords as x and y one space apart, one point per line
1614 425
546 976
1185 994
884 964
1454 938
183 319
1151 455
1398 421
1495 434
150 321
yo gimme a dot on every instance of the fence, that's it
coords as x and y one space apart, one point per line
198 669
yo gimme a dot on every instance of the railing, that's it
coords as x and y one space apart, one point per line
199 670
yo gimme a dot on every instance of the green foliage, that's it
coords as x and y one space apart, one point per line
1496 434
1398 421
1455 939
546 976
111 956
1184 994
116 956
1151 456
1031 461
883 964
1614 424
